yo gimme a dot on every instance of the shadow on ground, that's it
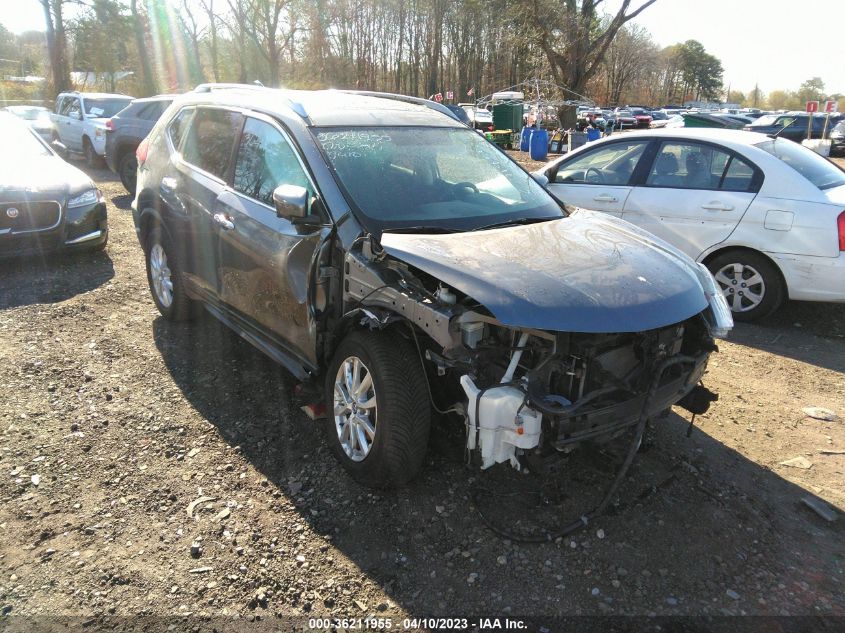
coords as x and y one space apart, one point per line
812 333
695 523
50 279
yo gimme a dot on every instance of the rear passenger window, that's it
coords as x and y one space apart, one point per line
152 111
739 176
695 166
265 161
208 144
176 128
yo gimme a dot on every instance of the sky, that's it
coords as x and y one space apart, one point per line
765 42
773 43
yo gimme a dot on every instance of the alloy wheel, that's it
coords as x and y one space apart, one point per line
160 275
355 408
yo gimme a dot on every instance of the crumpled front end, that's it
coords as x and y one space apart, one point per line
525 390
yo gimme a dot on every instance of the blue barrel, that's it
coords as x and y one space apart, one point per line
539 144
523 139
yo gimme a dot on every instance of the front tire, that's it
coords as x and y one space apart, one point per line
164 275
378 414
751 284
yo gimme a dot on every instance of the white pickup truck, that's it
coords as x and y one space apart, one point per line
80 121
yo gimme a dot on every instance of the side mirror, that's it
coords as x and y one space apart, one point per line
60 149
541 178
292 204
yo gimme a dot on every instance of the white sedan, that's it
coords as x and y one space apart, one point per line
765 215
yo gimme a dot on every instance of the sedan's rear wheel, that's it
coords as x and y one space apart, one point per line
751 284
378 419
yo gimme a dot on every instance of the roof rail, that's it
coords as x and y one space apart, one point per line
294 105
406 99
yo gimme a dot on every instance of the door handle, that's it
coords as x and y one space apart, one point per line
605 198
223 222
717 206
168 184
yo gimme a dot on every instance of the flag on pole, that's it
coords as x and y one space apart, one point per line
470 91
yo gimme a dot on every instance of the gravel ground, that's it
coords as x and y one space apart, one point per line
148 468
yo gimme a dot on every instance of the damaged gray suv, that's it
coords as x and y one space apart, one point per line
401 267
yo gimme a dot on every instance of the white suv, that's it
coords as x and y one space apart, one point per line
80 121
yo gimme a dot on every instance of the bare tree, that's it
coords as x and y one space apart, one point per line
56 44
574 37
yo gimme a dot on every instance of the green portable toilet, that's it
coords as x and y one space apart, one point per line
507 116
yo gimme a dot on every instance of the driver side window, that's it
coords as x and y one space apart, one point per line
265 161
612 164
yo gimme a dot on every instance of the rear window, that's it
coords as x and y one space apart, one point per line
105 108
819 171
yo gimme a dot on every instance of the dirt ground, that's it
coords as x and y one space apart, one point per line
148 468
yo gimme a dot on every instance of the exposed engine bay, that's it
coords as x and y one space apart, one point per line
527 391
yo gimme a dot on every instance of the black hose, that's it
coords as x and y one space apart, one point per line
585 519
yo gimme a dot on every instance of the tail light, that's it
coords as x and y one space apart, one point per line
141 152
110 125
490 128
840 224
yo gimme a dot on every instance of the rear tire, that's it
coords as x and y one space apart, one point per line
164 276
378 413
752 285
128 170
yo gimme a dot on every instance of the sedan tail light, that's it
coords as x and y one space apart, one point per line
110 125
840 225
141 152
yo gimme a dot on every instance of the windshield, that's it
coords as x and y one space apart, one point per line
819 171
105 108
431 177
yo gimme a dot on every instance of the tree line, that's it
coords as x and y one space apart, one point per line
415 47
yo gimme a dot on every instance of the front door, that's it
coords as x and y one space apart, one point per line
600 178
266 264
694 196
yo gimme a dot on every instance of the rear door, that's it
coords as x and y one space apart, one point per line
198 175
694 195
266 264
598 178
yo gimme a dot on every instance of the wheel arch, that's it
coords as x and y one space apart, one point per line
730 248
123 147
368 319
148 219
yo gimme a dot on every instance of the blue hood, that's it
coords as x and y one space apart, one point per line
584 273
